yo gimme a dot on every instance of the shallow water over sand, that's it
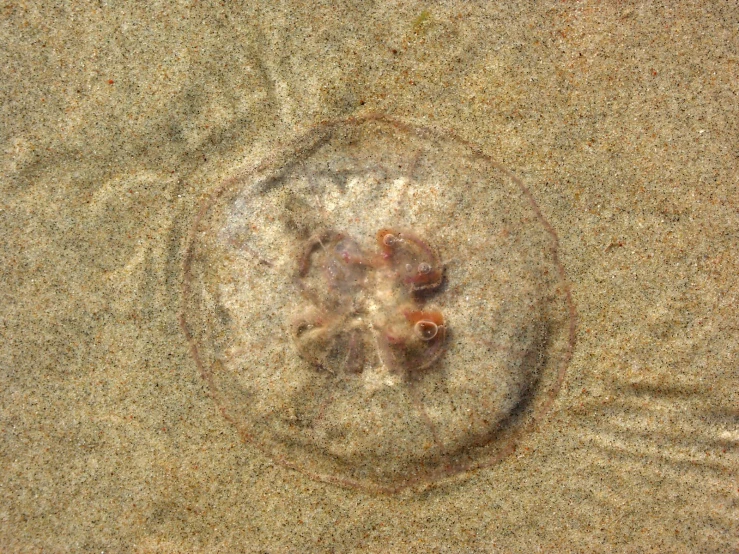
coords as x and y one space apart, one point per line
118 122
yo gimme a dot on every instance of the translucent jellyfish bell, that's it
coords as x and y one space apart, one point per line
336 340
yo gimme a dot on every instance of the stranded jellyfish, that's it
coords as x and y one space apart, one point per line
378 306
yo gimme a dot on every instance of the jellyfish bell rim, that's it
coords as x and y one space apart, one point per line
272 164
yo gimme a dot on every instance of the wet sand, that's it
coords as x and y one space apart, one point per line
117 123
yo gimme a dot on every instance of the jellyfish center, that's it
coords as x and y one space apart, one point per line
364 310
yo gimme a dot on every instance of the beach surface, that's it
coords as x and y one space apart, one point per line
120 121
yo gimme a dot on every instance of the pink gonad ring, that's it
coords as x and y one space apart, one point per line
378 306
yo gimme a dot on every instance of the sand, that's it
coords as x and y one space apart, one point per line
119 120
